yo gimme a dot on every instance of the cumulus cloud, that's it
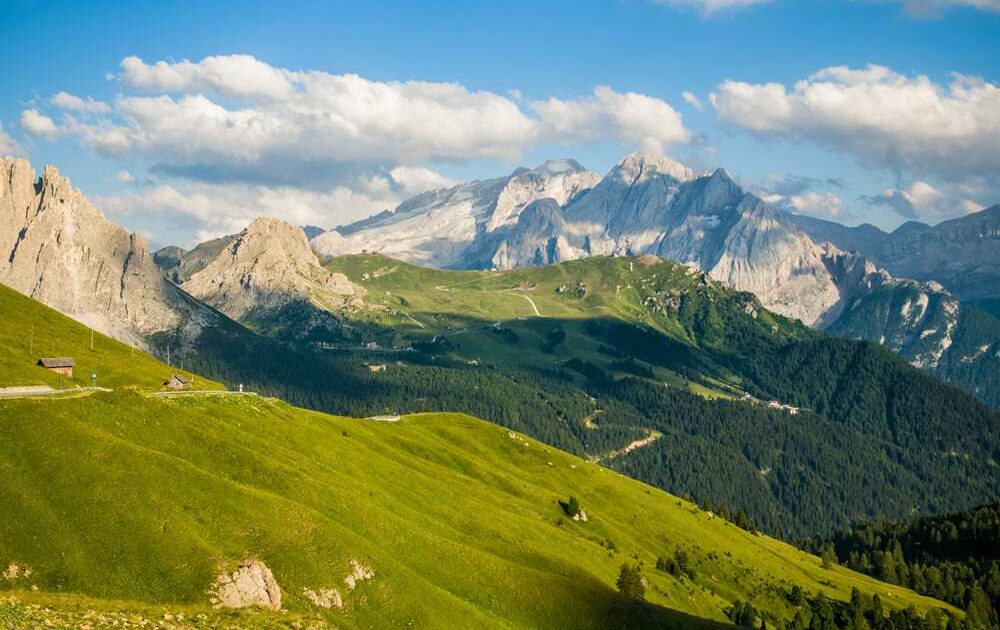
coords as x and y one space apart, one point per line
920 200
238 76
38 124
237 116
416 179
8 146
201 211
805 195
880 116
825 205
71 102
191 212
610 115
692 100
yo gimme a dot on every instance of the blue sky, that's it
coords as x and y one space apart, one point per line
880 149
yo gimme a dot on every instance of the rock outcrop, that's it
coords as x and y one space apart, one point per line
267 271
60 250
251 585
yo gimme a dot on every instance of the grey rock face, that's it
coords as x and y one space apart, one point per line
264 269
460 226
57 248
962 254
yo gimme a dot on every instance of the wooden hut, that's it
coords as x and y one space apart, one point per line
59 365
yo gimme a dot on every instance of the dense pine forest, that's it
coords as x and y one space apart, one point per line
954 557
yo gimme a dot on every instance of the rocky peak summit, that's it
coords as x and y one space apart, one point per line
640 165
267 266
59 249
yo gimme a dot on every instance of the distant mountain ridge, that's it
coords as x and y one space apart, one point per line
962 254
652 204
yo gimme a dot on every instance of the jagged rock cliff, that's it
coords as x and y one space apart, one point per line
266 269
57 248
459 226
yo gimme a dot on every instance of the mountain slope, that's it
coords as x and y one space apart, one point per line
441 520
267 272
453 227
650 204
623 328
962 254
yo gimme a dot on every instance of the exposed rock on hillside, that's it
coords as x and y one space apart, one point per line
251 584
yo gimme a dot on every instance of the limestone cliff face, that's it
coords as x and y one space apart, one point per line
265 268
60 250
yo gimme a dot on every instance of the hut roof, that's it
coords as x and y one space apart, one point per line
56 362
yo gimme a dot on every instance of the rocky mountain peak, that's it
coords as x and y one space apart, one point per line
560 180
59 249
266 267
640 165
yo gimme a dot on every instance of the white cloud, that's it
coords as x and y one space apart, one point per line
415 179
610 115
238 118
692 100
931 8
8 146
825 205
211 210
969 206
880 116
207 210
923 201
37 124
710 7
238 76
67 101
125 177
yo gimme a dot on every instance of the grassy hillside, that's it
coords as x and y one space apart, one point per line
508 317
626 349
127 506
30 332
459 519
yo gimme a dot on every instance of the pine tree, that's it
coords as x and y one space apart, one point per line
630 582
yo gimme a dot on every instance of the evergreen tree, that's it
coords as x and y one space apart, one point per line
630 582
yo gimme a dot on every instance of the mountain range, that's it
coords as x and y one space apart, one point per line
651 204
962 254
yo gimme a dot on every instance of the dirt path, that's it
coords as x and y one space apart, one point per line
589 420
409 317
532 302
201 392
651 436
32 391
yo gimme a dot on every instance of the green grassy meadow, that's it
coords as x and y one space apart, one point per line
123 503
